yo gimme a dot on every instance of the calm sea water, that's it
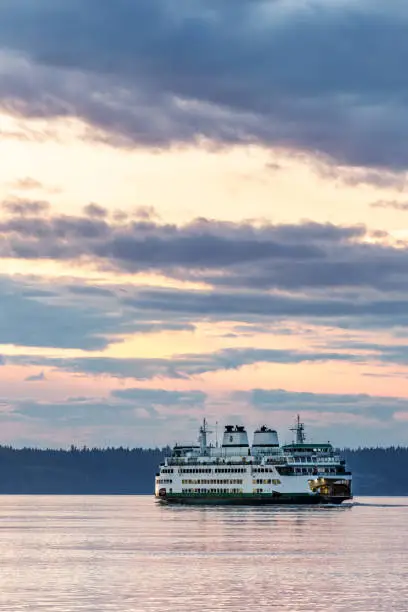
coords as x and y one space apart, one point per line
129 554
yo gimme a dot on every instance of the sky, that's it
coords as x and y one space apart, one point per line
204 213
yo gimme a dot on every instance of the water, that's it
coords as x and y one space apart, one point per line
129 554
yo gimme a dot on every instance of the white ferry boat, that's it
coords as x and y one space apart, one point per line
264 473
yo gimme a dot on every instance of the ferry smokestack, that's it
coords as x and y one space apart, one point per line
265 438
235 439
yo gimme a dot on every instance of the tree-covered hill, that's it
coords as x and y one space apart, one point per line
118 471
121 471
378 471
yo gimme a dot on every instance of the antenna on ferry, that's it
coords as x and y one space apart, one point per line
299 429
203 436
216 434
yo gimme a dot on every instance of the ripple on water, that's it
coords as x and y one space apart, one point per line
129 554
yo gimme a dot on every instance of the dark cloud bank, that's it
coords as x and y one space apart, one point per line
235 255
256 274
326 77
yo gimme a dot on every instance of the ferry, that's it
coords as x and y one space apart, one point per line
235 473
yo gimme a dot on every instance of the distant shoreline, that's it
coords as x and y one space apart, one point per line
123 471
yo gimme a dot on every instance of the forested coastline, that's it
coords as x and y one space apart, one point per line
123 471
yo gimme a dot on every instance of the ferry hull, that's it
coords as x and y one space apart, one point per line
295 499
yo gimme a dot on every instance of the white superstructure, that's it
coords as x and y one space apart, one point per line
264 473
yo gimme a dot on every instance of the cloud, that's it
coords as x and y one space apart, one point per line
35 377
235 255
346 419
179 366
95 211
39 314
122 409
393 204
173 75
380 407
190 365
74 413
26 184
287 257
72 313
346 311
137 245
161 397
31 208
32 315
149 417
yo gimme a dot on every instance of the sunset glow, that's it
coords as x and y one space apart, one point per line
175 222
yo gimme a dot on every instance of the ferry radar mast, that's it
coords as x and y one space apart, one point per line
203 436
299 429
